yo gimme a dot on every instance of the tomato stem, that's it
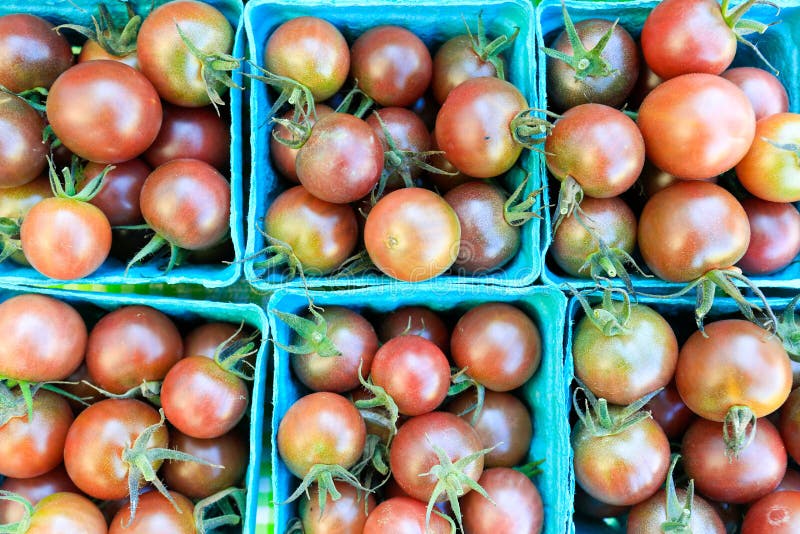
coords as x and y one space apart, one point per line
148 390
517 213
597 418
21 526
117 42
788 330
612 316
324 475
679 516
224 501
312 333
530 131
738 430
741 27
380 399
232 354
531 469
461 382
290 92
490 52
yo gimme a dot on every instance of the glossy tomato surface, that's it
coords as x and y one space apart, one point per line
196 133
768 171
283 157
777 513
156 514
455 62
118 198
774 236
790 424
32 54
515 505
404 515
652 514
416 321
67 512
346 515
22 153
33 489
765 91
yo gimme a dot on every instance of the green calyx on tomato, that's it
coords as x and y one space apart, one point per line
290 92
517 212
387 414
374 461
313 334
461 382
742 27
116 41
610 317
233 354
679 515
220 509
789 331
490 51
324 476
278 253
24 523
738 430
73 175
599 420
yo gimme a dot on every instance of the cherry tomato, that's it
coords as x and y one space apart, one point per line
119 197
321 428
391 65
16 202
404 515
790 424
156 514
650 515
196 133
346 515
774 236
765 92
708 124
412 235
777 513
444 182
473 128
284 157
768 171
44 339
516 505
130 345
687 36
503 422
455 62
311 51
206 339
22 153
416 321
691 228
97 439
104 111
188 202
756 472
92 51
670 412
34 490
165 58
32 54
66 512
407 131
498 344
32 447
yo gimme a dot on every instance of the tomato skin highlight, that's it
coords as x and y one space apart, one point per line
32 54
156 514
456 62
769 172
416 321
346 515
34 489
195 133
517 504
118 199
774 236
22 152
67 512
92 51
765 92
403 515
776 513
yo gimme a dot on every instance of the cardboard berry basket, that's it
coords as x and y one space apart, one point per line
113 270
778 45
434 21
545 394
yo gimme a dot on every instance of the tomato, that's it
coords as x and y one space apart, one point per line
503 422
768 171
130 345
321 428
199 481
156 514
581 146
611 220
517 505
202 399
414 372
16 202
391 65
681 37
346 515
691 228
311 51
473 127
774 236
66 512
765 92
444 182
104 111
498 344
44 339
654 180
606 469
207 338
356 341
32 54
488 241
412 454
341 161
650 515
755 472
416 321
777 513
196 133
670 412
457 61
187 202
734 363
283 157
178 75
118 199
790 424
568 87
33 490
408 133
708 121
22 153
92 51
96 441
412 235
32 447
404 515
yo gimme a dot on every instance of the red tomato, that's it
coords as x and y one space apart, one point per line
119 197
416 321
346 515
404 515
34 490
284 157
207 338
771 172
515 505
777 513
22 153
653 514
670 412
92 51
196 133
67 512
32 54
156 514
765 92
457 61
774 236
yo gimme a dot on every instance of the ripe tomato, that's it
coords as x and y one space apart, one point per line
414 372
311 51
404 515
156 514
774 236
67 512
599 146
473 127
765 92
650 515
346 515
768 171
777 513
412 235
391 65
625 366
457 61
503 423
416 321
708 121
691 228
96 441
130 345
33 490
670 412
284 157
22 153
32 54
32 447
92 51
104 111
408 133
16 202
196 133
321 428
206 339
790 424
498 344
187 202
177 74
517 505
341 161
444 182
44 339
119 197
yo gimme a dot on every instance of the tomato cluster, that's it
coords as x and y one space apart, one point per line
117 145
119 410
410 422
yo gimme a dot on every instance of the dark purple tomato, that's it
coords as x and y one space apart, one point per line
409 134
650 515
284 157
777 513
765 92
23 156
670 412
34 490
416 321
774 236
32 54
455 62
119 197
515 506
196 133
